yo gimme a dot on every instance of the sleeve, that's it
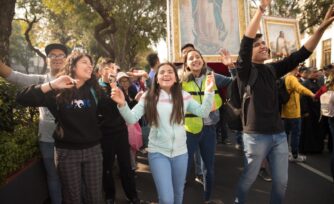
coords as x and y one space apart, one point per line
321 91
24 80
203 110
289 63
132 116
222 81
33 96
244 62
296 86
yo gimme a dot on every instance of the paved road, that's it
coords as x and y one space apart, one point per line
309 183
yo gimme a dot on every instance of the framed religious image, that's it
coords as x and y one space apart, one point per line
282 35
208 25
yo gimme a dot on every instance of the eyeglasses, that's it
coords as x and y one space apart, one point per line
52 56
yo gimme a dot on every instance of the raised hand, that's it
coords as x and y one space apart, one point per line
138 95
138 73
226 58
63 82
329 18
265 3
117 95
210 82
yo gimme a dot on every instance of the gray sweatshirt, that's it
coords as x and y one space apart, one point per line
46 120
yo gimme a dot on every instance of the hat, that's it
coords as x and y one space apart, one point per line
53 46
121 75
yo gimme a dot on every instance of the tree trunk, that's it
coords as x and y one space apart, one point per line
7 11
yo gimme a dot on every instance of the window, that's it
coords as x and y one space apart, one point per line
326 52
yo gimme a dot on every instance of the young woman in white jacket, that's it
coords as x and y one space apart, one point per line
164 106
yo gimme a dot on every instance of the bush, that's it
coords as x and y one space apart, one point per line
16 148
18 132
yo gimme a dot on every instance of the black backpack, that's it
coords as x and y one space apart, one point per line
282 91
237 100
283 94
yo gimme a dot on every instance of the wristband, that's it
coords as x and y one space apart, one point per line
51 86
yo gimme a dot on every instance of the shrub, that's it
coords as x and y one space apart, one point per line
18 132
16 148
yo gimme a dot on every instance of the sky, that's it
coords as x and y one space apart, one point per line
161 49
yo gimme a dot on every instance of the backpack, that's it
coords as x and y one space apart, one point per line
237 100
282 91
283 94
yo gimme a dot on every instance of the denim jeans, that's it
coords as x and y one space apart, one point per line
331 127
198 163
206 141
257 147
169 176
293 126
47 151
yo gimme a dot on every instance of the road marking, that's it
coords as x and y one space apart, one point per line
323 175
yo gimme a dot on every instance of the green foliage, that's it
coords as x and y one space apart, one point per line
139 23
18 132
16 148
309 12
20 53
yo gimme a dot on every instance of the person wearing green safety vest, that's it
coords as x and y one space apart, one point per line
201 132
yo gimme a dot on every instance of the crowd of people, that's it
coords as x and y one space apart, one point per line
89 119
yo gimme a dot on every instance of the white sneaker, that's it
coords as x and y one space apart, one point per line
300 158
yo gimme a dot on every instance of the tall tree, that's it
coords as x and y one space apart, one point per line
306 11
129 26
20 53
33 11
7 11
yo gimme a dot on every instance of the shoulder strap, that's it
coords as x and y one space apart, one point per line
93 92
251 80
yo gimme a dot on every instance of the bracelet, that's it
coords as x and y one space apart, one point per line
262 9
51 86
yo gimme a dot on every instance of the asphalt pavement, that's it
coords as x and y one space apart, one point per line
309 182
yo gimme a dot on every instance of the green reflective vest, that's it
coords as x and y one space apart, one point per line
193 123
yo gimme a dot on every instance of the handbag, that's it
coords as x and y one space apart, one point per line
135 136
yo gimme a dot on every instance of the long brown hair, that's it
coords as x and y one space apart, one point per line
152 99
67 95
186 74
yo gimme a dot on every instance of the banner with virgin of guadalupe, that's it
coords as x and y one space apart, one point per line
208 24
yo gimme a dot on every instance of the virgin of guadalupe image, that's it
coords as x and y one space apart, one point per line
209 29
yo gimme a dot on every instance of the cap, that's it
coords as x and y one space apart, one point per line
53 46
121 75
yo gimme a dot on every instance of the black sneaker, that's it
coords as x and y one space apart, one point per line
214 202
199 179
263 173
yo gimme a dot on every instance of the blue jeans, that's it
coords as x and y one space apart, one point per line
331 127
47 151
198 163
257 147
293 126
169 176
206 141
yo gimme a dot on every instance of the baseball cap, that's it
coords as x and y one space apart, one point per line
53 46
121 75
